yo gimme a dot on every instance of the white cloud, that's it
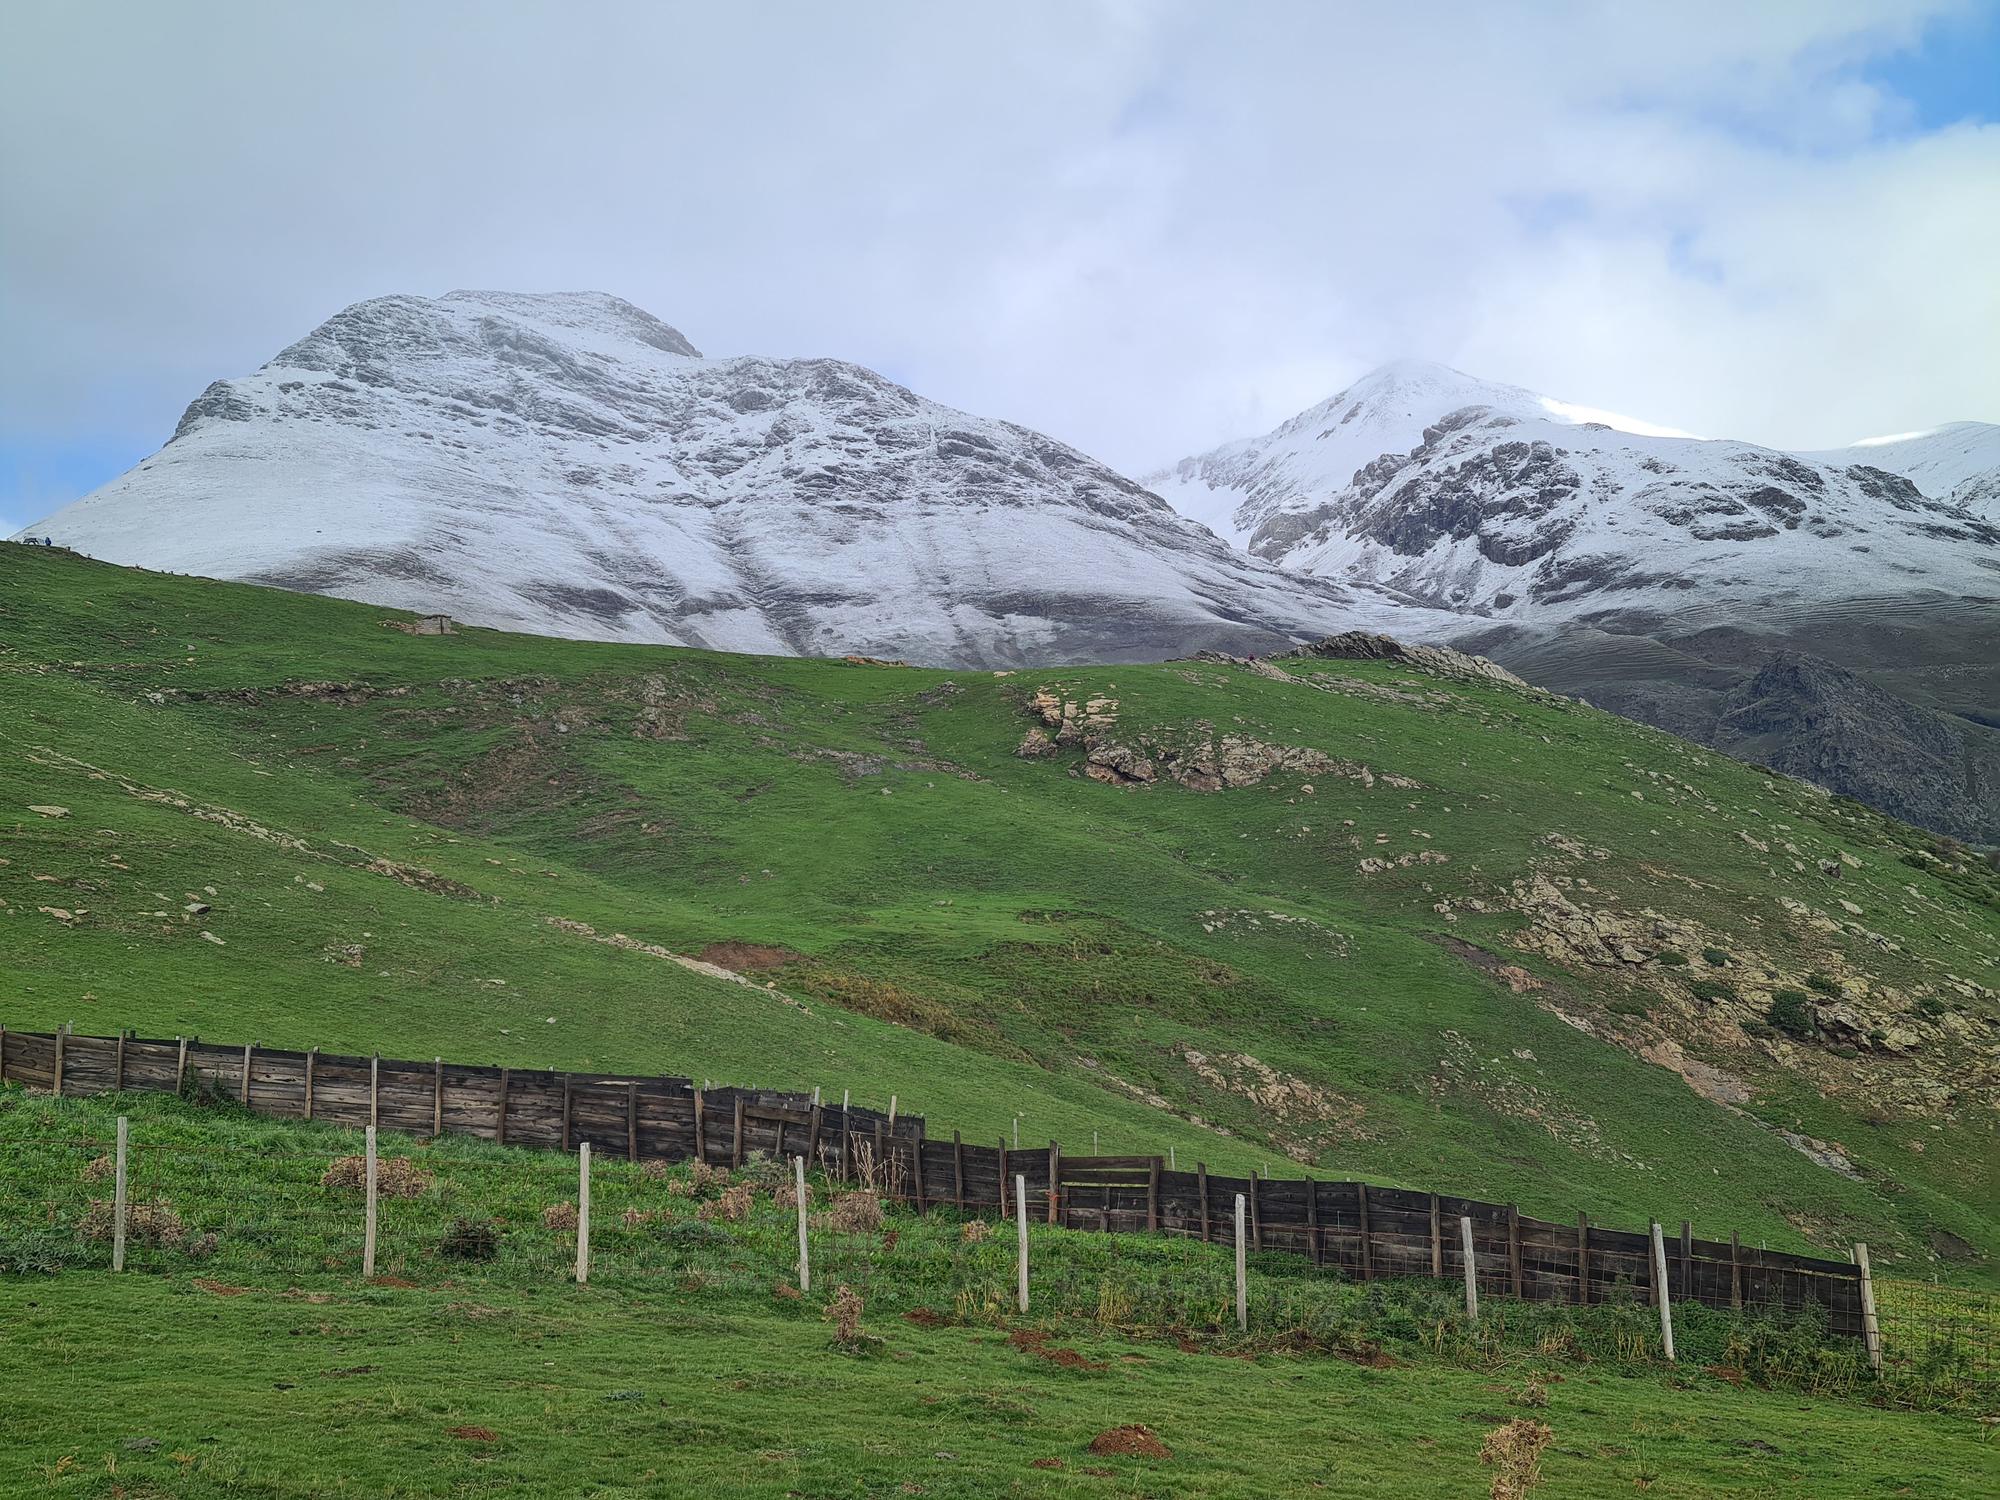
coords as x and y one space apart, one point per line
1144 228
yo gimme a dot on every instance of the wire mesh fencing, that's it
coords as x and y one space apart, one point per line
292 1206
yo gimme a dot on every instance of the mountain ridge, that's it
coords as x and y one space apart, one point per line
570 464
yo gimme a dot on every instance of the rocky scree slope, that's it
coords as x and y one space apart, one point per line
570 465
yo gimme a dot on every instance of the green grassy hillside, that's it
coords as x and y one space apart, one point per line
1438 932
242 1354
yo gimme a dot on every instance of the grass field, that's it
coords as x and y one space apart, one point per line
259 1364
420 845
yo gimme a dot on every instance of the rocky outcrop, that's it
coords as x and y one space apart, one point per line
1203 762
1437 661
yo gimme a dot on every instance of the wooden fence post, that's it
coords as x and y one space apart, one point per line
55 1090
736 1143
500 1108
1021 1234
1242 1270
1367 1236
1055 1167
1201 1187
368 1212
1871 1330
583 1213
1437 1240
312 1066
437 1097
375 1089
700 1127
181 1065
892 1114
1514 1249
1471 1269
247 1048
799 1189
1313 1242
118 1073
118 1204
1001 1191
1735 1270
958 1170
1583 1260
1660 1285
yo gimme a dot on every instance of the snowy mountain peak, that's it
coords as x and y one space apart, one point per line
1499 502
569 464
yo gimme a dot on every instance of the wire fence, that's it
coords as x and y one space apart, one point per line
291 1207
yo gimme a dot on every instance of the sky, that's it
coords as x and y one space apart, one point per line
1144 228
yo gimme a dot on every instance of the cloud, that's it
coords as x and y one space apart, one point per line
1141 227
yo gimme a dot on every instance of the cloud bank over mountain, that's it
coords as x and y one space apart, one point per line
1144 229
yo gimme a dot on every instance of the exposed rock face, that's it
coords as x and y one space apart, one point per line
1203 762
1438 661
1810 719
570 465
1653 572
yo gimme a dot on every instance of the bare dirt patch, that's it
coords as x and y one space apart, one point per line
747 957
219 1289
1034 1341
1135 1441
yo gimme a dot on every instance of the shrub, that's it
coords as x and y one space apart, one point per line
854 1213
1846 1052
1929 1007
1820 984
395 1176
1791 1012
701 1180
1671 959
1627 1007
692 1234
1759 1029
151 1223
1711 990
764 1172
734 1205
471 1239
34 1250
1715 958
844 1312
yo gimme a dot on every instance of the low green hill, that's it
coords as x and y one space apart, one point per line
1399 926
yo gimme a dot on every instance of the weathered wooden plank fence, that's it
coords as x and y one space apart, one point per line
1362 1230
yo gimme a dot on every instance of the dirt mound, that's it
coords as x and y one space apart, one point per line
747 957
1034 1341
1136 1441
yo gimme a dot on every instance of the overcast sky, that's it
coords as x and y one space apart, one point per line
1142 227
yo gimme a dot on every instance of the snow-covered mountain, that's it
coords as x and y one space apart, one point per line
1663 575
570 465
1494 501
1959 462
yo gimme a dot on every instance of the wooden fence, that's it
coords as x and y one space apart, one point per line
1365 1231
